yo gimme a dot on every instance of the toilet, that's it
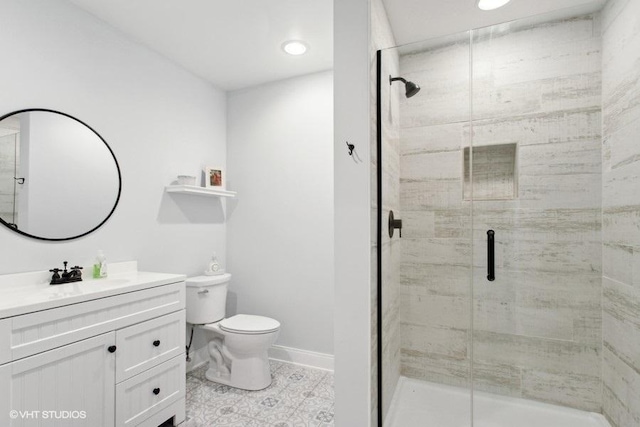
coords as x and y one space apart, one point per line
238 345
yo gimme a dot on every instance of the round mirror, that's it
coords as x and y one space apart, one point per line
59 180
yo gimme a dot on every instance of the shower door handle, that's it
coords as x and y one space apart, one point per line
491 271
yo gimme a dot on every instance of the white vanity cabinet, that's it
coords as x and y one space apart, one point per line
114 357
77 378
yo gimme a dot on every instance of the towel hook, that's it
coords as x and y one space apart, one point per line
353 153
351 147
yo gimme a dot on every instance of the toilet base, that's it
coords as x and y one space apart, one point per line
239 360
251 374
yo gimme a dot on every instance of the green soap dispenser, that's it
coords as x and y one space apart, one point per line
100 266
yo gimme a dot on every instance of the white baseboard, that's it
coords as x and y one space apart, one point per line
277 352
302 357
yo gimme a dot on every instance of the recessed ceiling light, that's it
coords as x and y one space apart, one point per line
491 4
294 47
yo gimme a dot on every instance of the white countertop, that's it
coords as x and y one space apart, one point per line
23 293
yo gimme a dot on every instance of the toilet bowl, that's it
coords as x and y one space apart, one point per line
237 345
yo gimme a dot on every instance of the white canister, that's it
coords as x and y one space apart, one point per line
186 180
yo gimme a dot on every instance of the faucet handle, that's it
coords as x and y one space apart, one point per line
75 275
55 278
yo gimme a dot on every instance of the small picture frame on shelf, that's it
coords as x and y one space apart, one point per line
214 177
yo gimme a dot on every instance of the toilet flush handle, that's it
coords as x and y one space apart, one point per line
203 291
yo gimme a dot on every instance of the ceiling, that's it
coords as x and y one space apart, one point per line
417 20
237 43
231 43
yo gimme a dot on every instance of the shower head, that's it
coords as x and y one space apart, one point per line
410 87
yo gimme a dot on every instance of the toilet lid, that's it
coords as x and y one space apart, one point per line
248 324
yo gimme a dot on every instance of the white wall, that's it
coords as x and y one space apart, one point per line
353 267
159 120
280 245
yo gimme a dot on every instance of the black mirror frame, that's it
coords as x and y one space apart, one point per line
15 230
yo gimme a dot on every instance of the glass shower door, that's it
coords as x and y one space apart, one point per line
490 303
535 167
425 294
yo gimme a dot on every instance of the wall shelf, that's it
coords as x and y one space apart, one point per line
199 191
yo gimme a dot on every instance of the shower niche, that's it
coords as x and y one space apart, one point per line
494 169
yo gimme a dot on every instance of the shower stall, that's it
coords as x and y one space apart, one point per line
498 301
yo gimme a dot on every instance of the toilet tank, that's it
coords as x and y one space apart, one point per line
206 298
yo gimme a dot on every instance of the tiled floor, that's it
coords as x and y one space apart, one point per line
297 397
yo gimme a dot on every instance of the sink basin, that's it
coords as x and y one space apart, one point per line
78 288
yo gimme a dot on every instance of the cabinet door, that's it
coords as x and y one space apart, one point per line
69 386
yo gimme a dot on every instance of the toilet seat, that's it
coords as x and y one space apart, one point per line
249 324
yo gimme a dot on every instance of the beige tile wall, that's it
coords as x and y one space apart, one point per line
390 246
621 212
538 326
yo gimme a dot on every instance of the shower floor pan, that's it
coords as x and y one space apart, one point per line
423 404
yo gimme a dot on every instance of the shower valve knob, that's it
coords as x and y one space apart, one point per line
393 224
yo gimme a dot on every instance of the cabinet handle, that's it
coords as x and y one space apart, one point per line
112 349
156 343
156 391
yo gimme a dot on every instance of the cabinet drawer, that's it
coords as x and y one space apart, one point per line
36 332
147 344
140 397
